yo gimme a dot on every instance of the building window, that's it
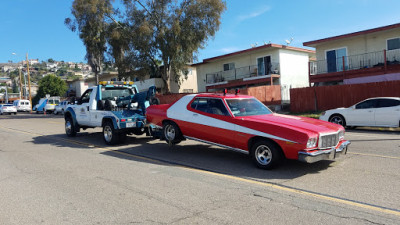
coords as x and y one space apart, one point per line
264 65
393 44
334 59
229 66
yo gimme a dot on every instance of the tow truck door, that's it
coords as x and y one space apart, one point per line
82 108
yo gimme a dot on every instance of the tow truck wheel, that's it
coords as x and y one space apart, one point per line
171 133
265 154
109 133
69 127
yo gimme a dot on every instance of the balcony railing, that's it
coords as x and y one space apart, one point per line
355 62
241 73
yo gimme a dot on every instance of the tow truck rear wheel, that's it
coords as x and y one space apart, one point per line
172 133
109 134
266 154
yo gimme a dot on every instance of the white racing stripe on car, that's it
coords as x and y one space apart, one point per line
178 111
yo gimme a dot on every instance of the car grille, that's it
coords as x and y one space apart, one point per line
329 140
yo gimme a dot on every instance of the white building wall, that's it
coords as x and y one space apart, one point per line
186 84
145 84
241 60
293 71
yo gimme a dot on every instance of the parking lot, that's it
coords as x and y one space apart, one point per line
48 178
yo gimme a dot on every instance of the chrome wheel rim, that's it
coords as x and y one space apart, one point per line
263 155
169 132
68 126
337 120
107 133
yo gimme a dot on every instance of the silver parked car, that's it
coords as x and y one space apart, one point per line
60 108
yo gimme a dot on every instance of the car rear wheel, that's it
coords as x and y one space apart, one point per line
265 154
109 134
338 119
69 127
172 133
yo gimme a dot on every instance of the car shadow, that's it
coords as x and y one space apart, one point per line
188 154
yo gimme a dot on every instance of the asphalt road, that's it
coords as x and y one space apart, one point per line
48 178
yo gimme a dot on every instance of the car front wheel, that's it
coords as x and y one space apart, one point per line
265 154
338 119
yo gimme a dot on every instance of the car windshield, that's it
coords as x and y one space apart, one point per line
111 92
54 101
247 107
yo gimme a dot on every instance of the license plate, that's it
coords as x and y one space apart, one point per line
133 124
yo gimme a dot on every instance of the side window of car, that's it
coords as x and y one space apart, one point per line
194 104
216 106
383 103
366 104
201 104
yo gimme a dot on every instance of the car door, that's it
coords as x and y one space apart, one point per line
387 113
211 121
82 108
362 114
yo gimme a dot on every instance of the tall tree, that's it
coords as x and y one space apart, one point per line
91 23
171 31
52 85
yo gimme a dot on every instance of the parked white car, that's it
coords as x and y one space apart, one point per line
60 108
8 108
372 112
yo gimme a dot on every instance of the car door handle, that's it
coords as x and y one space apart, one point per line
195 114
370 111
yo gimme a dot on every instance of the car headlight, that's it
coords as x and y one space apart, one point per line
323 113
312 142
341 135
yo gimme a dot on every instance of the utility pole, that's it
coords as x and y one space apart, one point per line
29 80
20 83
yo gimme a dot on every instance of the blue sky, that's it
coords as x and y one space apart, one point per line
37 26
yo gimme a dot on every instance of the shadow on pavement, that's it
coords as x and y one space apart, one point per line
187 154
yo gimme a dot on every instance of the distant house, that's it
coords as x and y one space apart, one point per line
361 57
269 64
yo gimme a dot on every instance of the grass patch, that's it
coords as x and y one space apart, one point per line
314 115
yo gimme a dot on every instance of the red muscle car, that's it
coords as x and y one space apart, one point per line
244 124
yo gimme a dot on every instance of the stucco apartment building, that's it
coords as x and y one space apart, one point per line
269 64
371 55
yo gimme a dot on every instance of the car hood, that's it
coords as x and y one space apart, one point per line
297 122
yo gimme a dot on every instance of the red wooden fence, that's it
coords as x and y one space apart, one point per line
329 97
269 95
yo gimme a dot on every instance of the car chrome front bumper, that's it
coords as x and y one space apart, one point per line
327 154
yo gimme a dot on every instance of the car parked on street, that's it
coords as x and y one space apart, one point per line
60 108
372 112
8 109
47 104
244 124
